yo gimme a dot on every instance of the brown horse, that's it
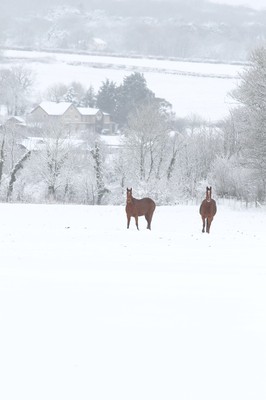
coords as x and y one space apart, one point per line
208 209
139 207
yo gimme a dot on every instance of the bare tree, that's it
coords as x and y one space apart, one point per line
2 156
147 133
15 87
56 92
55 158
250 118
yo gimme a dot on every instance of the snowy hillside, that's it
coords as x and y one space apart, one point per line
91 310
192 88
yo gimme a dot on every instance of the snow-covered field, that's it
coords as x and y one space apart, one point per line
91 310
191 87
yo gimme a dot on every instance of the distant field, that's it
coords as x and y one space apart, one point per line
191 87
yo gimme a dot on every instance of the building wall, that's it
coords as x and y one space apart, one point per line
38 114
74 119
71 115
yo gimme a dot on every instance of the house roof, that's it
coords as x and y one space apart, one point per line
112 140
88 110
16 119
38 143
57 109
53 108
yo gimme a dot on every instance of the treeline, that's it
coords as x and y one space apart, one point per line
171 159
171 165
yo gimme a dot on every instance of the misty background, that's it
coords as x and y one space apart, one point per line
182 29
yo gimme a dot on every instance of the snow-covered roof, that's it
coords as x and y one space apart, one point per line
88 110
32 143
57 109
38 143
17 119
53 108
112 140
99 41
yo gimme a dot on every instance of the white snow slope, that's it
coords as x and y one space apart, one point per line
91 310
193 88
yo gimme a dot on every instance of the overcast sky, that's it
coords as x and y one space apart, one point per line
257 4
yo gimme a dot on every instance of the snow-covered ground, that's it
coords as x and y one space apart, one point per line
191 87
91 310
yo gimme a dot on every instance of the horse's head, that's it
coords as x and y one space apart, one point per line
129 195
208 193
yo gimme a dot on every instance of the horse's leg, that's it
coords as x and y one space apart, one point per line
208 225
148 219
137 224
209 221
128 220
203 227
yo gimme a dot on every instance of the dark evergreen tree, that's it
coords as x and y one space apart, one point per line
131 94
107 97
89 99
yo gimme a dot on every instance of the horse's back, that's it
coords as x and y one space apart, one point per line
144 206
150 203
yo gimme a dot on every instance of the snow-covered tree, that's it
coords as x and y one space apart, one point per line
55 162
13 175
56 92
146 137
13 158
2 155
74 93
250 117
96 154
15 88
